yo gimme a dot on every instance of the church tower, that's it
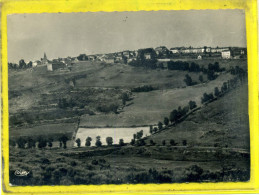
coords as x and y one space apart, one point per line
45 59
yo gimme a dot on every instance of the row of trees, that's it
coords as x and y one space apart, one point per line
226 86
40 142
98 143
22 65
174 116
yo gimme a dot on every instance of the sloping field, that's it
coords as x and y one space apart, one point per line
223 122
147 108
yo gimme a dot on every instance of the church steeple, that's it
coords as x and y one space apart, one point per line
45 59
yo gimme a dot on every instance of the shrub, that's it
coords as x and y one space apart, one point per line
184 142
121 142
94 162
152 143
166 121
192 104
160 125
172 142
188 80
194 173
163 143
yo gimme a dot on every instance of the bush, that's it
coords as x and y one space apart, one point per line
152 143
188 80
145 88
192 104
166 121
160 125
121 142
184 142
163 143
172 142
194 173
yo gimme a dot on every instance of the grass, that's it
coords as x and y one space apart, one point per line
224 122
147 108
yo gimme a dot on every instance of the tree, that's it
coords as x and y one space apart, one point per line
192 104
132 142
78 142
98 142
139 134
151 129
173 116
188 80
50 140
88 141
184 142
22 63
42 143
152 143
166 121
172 142
29 65
121 142
211 75
160 125
216 92
60 142
205 98
64 140
201 78
163 142
109 141
194 173
31 143
134 136
21 142
155 129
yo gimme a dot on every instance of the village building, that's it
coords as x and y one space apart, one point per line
226 54
56 66
162 51
36 63
199 57
147 56
126 54
92 57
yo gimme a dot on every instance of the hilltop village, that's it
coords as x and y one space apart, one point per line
160 55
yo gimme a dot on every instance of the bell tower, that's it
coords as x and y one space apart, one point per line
45 59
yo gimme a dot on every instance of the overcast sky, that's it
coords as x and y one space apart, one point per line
70 34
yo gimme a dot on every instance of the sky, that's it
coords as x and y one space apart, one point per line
71 34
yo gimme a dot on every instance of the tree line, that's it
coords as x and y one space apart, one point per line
22 65
40 142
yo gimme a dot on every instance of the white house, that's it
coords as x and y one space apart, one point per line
226 54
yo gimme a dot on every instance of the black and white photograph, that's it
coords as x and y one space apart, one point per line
141 97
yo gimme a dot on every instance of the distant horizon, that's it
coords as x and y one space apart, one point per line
71 34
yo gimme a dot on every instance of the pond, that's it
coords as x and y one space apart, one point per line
125 133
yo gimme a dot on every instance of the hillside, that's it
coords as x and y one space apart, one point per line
223 122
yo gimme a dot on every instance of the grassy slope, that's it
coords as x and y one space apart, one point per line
37 91
147 108
204 127
224 122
